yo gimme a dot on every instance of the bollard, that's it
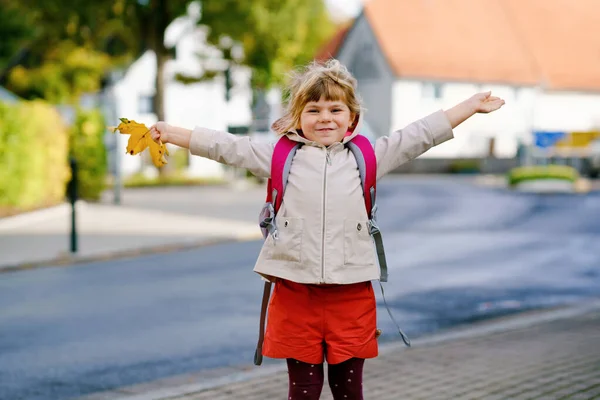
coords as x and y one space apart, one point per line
72 194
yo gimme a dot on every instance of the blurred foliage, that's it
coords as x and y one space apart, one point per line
86 145
58 49
173 179
16 30
276 35
465 166
67 72
33 150
77 42
178 158
537 172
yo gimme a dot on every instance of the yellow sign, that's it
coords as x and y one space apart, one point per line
578 139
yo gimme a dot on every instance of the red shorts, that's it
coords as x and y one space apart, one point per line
310 322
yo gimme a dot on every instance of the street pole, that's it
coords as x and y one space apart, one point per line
117 184
114 143
72 192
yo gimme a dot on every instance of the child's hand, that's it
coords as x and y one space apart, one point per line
485 102
160 132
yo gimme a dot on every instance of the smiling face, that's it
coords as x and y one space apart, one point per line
325 121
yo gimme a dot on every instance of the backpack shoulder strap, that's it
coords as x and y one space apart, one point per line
364 153
284 152
281 162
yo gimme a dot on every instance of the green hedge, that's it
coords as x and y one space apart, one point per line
86 143
537 172
173 179
465 166
33 156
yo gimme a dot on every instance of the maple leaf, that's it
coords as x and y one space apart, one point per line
139 140
158 152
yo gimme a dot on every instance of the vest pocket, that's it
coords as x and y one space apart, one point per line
358 245
288 246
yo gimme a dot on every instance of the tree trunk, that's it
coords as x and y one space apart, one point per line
160 23
159 97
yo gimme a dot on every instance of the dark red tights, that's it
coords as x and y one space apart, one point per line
345 380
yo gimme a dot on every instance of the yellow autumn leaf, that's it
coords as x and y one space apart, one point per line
140 139
137 132
157 152
136 145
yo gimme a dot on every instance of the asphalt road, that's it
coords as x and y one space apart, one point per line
456 253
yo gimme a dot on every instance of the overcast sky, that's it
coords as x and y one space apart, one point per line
350 8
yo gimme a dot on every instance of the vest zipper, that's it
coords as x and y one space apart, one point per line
327 162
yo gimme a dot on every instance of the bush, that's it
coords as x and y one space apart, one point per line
33 152
174 179
537 172
467 166
86 145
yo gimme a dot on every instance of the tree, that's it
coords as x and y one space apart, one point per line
276 35
149 22
102 33
16 30
50 57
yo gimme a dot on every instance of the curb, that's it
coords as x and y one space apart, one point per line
121 255
160 390
31 217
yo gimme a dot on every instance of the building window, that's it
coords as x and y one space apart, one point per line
432 90
145 104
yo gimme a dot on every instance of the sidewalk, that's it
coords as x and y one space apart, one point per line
107 231
551 354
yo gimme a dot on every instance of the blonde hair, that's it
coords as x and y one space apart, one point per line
330 80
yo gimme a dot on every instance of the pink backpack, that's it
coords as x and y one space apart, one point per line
281 162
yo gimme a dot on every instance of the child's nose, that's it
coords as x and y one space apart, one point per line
325 116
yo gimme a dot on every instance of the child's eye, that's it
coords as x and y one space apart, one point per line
312 111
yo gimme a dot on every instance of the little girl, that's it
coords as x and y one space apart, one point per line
322 262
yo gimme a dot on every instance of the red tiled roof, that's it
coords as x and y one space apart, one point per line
552 42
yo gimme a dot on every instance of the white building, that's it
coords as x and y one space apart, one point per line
412 57
186 105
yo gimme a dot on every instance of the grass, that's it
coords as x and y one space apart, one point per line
175 179
540 172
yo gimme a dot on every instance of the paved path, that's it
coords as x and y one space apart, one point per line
148 221
555 360
553 354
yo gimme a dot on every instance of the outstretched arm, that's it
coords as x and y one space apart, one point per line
478 103
415 139
161 131
223 147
